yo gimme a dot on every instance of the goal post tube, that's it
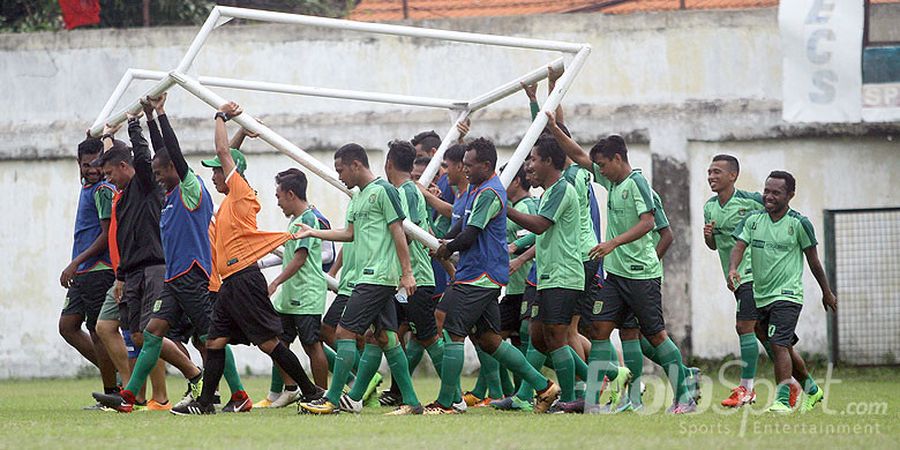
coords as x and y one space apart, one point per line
450 138
134 107
124 82
513 86
211 23
537 126
309 91
399 30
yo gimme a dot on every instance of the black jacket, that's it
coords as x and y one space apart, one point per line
138 210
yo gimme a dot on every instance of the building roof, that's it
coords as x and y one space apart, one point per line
390 10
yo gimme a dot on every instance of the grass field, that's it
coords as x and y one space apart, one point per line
47 414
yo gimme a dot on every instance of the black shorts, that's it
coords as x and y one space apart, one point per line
472 310
333 315
511 313
185 297
368 305
529 300
556 306
591 293
143 288
304 326
419 312
621 296
182 331
779 321
87 294
242 311
746 304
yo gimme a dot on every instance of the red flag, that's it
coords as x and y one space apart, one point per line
77 13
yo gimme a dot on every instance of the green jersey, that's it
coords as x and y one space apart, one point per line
303 293
375 208
558 248
516 285
627 201
727 218
776 254
485 207
103 202
660 220
580 179
413 203
349 274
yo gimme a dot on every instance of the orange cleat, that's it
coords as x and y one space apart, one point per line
740 396
154 405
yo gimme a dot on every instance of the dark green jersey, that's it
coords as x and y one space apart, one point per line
776 254
558 253
413 203
727 218
580 179
514 231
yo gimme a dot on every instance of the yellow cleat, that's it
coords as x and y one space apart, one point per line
471 399
264 403
319 406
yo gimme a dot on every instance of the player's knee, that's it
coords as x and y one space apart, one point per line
631 334
138 339
386 339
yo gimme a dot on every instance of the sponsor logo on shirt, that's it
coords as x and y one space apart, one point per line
636 267
232 261
771 330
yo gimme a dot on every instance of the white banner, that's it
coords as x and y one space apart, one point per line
822 45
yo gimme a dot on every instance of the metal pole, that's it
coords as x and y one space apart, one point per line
513 86
450 138
399 30
284 146
124 82
281 88
553 100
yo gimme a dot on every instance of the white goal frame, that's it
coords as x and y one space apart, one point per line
459 109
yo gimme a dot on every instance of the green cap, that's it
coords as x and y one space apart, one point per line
239 160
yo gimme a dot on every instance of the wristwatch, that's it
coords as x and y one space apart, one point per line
106 136
222 115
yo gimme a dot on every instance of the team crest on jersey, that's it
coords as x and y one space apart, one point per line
742 212
753 226
372 198
790 231
624 195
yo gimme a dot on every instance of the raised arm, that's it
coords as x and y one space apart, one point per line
156 139
443 208
223 150
143 171
828 298
572 149
169 138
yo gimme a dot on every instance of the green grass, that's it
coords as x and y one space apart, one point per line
46 413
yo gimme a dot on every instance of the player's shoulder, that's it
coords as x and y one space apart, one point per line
798 217
748 196
754 216
711 201
637 178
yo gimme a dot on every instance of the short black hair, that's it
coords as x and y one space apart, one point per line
161 155
422 161
610 146
455 153
484 151
402 154
789 182
352 152
118 153
89 146
429 140
548 147
520 175
733 163
293 180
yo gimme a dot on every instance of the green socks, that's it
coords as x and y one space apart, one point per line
510 357
414 352
649 351
565 372
231 373
536 360
436 353
368 365
400 371
784 394
277 384
506 383
581 367
490 369
634 361
480 389
329 356
603 352
343 363
670 359
810 386
452 365
145 363
749 355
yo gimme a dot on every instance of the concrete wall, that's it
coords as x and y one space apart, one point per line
680 86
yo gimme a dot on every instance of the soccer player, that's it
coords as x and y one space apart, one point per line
89 275
301 300
634 274
184 225
483 269
242 312
560 269
779 238
140 269
721 216
381 256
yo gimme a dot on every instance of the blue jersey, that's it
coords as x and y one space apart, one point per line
595 219
185 230
488 256
87 225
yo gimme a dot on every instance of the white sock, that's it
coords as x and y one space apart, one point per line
273 396
747 383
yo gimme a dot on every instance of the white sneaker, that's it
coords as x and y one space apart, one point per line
184 401
286 398
461 406
350 405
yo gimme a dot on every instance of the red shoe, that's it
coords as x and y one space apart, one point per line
240 402
795 393
740 396
122 401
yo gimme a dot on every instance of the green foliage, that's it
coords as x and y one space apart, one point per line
29 15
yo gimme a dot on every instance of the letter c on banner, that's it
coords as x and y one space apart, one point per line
812 46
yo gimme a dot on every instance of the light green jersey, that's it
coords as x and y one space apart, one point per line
776 254
375 208
580 179
526 205
558 252
627 200
413 203
727 218
349 274
103 202
303 293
